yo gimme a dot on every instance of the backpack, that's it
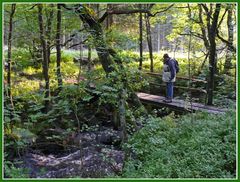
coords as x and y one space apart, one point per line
176 65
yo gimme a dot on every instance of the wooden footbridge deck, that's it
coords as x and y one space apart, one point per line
179 105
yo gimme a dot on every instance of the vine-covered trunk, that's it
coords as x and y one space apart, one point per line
104 55
45 56
58 47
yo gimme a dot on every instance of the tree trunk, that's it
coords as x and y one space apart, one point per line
102 49
100 43
212 52
48 33
9 60
45 56
202 26
58 47
149 40
89 65
229 54
158 37
109 20
140 39
122 113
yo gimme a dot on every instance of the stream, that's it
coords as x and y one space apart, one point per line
93 154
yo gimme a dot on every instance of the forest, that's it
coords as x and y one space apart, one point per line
85 90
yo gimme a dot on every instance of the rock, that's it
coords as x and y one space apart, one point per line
106 136
85 139
90 162
109 137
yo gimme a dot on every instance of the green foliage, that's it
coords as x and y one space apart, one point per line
26 86
21 58
121 40
226 86
181 148
11 171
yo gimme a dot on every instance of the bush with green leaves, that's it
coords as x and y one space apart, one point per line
204 147
11 171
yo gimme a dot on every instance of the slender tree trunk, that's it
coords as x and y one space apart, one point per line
98 10
89 58
203 63
45 56
229 54
48 33
149 40
212 53
9 60
122 114
204 35
109 20
58 47
140 39
203 28
158 38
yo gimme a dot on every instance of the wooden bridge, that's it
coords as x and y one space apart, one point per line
179 105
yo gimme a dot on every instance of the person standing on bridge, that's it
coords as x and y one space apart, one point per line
168 76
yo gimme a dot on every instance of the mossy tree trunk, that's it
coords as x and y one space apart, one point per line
107 56
45 56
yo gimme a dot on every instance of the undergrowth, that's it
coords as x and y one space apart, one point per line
204 147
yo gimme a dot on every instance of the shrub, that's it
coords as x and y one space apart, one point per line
170 148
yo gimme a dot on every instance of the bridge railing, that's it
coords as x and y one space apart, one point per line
193 80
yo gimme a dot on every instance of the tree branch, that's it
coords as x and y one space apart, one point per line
208 13
226 42
220 22
152 15
82 42
32 7
118 12
67 8
193 34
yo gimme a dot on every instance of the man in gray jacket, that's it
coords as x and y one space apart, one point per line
168 76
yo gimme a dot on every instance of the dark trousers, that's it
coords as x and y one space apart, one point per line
169 90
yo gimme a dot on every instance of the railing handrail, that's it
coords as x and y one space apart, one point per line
178 77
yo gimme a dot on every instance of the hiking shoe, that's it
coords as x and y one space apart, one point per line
167 100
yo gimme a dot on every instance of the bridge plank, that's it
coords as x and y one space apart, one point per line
179 104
